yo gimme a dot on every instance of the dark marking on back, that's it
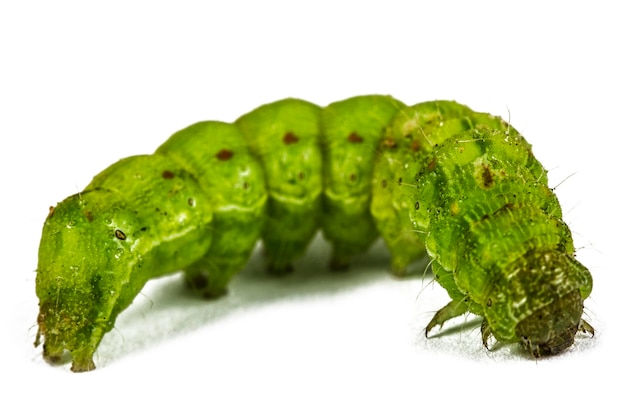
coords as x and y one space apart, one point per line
354 138
290 138
224 154
487 177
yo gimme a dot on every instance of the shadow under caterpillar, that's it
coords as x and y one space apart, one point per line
435 178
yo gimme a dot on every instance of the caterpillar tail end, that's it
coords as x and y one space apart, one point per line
54 349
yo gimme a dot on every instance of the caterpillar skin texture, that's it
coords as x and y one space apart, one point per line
435 178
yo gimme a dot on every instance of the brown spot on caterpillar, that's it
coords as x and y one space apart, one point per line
191 202
383 183
245 185
50 212
290 138
354 138
168 175
224 154
431 164
120 235
353 177
415 146
301 175
487 177
89 216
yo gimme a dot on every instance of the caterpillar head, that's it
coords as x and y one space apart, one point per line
552 328
540 303
99 247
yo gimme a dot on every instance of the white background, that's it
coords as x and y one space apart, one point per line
83 84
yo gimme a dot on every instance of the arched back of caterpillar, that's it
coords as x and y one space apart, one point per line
436 178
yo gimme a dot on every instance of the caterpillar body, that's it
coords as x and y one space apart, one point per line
435 178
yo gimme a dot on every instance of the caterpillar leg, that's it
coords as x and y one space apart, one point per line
453 309
209 281
338 262
585 327
485 332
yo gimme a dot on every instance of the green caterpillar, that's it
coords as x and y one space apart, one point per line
434 178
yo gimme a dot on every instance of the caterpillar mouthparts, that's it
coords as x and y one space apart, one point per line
435 178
